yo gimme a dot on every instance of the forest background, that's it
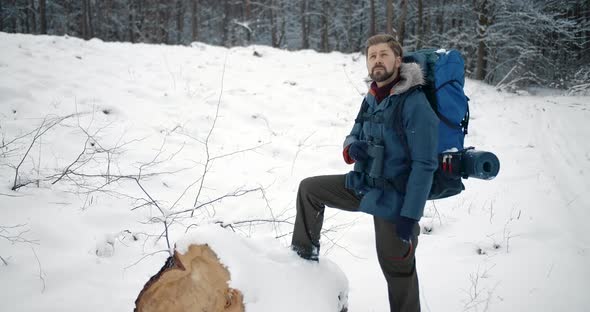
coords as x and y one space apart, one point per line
514 45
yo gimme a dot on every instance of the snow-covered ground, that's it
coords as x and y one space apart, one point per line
113 110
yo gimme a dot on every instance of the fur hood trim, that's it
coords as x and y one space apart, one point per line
411 75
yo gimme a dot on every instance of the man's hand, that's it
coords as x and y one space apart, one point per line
405 228
358 150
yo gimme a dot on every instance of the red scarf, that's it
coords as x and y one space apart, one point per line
382 92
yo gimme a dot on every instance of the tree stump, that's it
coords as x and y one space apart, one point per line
194 281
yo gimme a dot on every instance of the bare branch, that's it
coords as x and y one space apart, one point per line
165 214
299 148
147 203
148 255
15 238
270 210
236 193
207 162
251 222
41 130
57 121
74 162
15 186
185 190
237 152
41 274
10 195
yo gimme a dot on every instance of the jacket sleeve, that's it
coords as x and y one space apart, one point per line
421 127
347 159
354 135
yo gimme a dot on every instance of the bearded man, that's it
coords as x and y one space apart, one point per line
379 157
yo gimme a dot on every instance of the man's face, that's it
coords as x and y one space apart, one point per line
382 63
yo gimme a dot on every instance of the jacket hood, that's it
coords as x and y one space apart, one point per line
411 76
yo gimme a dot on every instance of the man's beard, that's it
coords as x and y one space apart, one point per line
382 75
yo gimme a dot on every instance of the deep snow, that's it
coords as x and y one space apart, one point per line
516 243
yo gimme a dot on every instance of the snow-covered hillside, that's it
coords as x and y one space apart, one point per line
90 115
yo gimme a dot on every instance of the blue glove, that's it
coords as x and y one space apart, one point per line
358 150
405 228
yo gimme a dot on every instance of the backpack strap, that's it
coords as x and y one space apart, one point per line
364 116
448 122
398 124
399 182
464 123
360 116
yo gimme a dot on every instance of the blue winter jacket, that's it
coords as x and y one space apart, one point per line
420 125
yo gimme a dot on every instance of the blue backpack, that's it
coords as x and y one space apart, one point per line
444 74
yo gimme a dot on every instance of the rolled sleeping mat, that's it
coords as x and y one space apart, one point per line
480 164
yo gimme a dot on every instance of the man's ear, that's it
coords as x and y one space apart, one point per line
398 61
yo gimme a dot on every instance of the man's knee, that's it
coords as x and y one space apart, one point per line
308 185
396 258
398 269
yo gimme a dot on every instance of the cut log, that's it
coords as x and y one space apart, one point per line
193 281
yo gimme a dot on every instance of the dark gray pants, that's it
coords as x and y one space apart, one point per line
396 258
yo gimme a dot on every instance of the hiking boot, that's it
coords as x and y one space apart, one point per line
306 253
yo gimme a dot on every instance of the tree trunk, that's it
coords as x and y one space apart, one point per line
33 14
132 13
1 17
106 30
226 19
14 19
304 25
164 11
67 15
98 26
372 27
389 28
179 21
483 23
283 31
427 23
195 19
90 23
25 19
85 20
247 13
402 22
420 37
283 25
349 31
82 20
13 23
247 9
440 18
273 25
587 37
325 39
361 28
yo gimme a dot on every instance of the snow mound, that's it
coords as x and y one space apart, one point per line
270 276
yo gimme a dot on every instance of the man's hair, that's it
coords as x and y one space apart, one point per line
384 38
